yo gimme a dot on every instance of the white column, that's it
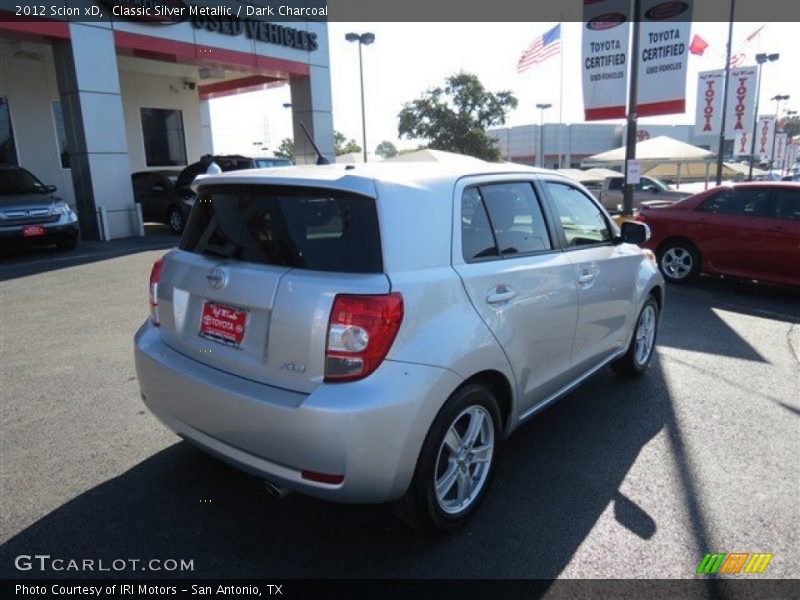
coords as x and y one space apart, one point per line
88 81
206 138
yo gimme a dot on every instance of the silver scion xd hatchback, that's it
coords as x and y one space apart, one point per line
371 334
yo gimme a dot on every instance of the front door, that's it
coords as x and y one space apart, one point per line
518 280
604 272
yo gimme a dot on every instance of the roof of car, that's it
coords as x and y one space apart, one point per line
360 177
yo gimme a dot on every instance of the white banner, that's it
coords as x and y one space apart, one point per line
780 147
606 32
764 132
741 144
791 156
741 101
663 56
708 115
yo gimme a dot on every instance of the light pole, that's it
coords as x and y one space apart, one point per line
760 59
777 99
542 108
363 39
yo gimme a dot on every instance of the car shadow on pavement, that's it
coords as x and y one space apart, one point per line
556 475
21 260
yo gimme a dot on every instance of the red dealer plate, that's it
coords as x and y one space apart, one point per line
223 324
32 230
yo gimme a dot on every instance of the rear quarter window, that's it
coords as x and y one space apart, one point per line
298 227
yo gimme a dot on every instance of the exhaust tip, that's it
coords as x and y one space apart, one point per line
276 491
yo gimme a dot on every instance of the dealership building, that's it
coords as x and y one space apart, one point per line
83 105
576 141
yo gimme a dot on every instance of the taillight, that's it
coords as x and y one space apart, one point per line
360 332
639 217
155 275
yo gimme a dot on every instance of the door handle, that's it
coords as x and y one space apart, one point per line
501 293
586 277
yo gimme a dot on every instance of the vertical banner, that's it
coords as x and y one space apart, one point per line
664 56
780 147
741 101
741 144
791 156
764 132
604 51
708 115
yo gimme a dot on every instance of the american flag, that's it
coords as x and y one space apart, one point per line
542 48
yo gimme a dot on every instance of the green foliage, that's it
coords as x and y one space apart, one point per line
455 117
286 149
386 149
344 146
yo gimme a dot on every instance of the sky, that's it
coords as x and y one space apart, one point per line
409 58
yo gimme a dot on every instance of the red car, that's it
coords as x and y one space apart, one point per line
749 230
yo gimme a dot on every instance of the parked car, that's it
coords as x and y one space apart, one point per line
31 212
749 230
160 199
230 162
648 188
370 333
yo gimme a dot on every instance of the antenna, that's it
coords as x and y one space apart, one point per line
321 160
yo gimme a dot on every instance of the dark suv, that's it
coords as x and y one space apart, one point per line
30 212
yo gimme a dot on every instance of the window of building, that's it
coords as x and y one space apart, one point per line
8 150
61 135
164 142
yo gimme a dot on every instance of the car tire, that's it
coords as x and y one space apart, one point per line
67 243
643 342
679 261
451 461
176 220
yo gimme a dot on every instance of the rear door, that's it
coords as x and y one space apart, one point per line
731 229
782 236
518 280
251 288
604 272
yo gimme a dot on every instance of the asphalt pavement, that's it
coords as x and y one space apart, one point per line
620 479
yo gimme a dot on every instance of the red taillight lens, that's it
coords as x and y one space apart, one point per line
155 275
639 217
360 332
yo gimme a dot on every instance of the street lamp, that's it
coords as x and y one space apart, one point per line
542 108
761 58
777 100
363 39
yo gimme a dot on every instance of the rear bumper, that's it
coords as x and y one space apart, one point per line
369 431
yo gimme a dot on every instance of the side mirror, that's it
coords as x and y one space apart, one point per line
50 188
634 232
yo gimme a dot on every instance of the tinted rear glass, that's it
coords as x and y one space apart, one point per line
304 228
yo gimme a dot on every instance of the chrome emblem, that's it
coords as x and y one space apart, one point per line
294 367
217 278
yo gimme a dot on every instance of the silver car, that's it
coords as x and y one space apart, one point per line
371 333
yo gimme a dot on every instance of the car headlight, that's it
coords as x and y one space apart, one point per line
62 208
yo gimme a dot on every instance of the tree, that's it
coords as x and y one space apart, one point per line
791 125
455 117
344 146
286 149
386 149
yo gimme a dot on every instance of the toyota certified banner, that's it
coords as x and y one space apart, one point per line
663 56
708 115
765 130
741 101
606 33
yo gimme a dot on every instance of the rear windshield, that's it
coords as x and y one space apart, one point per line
304 228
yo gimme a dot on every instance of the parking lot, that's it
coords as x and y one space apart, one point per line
620 479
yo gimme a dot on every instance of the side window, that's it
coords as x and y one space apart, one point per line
516 218
743 202
477 241
580 218
787 205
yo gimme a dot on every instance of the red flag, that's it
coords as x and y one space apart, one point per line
698 45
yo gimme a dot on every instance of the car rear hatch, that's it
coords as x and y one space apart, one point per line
251 287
